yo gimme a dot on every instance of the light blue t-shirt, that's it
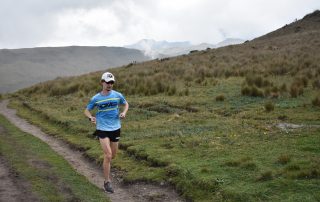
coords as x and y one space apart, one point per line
108 110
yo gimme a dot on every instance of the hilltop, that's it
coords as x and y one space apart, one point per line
20 68
309 23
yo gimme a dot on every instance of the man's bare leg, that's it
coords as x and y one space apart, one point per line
114 148
105 144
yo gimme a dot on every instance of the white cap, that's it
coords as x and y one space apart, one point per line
107 76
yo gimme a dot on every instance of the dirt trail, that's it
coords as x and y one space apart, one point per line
123 193
11 188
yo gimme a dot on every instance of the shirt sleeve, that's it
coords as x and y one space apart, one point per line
122 99
91 104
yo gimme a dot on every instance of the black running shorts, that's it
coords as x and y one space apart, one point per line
114 136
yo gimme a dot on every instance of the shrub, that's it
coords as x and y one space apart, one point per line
269 106
293 167
305 81
245 90
267 175
309 174
267 91
186 92
172 90
295 90
316 84
255 92
316 102
283 159
220 97
233 163
267 83
282 117
283 88
251 91
257 81
249 166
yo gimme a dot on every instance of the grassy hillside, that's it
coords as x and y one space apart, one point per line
20 68
239 123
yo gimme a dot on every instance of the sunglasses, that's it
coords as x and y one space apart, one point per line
109 82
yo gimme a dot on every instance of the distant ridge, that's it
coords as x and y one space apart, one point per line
21 68
308 22
161 49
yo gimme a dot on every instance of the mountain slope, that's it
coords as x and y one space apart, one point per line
23 67
309 23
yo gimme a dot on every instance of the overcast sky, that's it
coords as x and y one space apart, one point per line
37 23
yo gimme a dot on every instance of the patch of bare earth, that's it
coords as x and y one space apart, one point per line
123 193
289 126
13 188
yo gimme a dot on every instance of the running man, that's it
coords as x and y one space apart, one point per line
107 122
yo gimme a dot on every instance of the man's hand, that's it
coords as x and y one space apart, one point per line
122 115
93 120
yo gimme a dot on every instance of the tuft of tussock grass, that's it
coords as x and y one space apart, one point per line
258 81
316 102
244 163
284 159
233 163
293 167
184 92
296 90
220 97
269 106
265 176
249 165
283 88
282 117
316 84
311 173
252 91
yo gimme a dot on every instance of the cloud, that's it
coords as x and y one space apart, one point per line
30 23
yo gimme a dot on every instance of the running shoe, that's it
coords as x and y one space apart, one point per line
108 187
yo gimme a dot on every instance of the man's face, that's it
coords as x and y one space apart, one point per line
107 85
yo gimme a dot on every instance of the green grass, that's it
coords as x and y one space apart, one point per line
50 176
208 149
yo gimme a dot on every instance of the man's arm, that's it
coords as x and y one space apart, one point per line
89 115
125 110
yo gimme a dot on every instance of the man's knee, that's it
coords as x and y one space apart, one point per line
108 156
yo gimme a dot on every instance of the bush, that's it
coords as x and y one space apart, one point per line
245 90
251 91
255 92
220 97
305 81
283 88
316 102
316 84
282 117
269 106
257 81
265 176
296 90
172 90
283 159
